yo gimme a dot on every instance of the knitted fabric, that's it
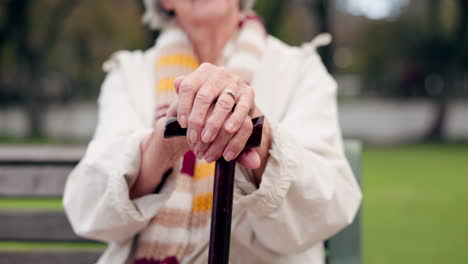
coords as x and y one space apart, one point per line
181 228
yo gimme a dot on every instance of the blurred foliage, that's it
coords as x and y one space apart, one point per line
429 38
51 51
90 33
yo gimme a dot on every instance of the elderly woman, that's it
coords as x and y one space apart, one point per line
214 68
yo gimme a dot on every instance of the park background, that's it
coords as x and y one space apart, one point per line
402 71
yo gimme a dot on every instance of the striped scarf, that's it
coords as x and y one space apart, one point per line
180 230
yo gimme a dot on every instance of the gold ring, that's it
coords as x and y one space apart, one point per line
231 93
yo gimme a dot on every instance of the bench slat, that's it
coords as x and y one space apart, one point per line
36 225
33 181
48 257
40 153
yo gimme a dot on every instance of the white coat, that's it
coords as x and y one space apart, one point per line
307 193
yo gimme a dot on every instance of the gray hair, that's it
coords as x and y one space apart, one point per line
156 17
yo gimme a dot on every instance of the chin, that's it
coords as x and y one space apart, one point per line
206 10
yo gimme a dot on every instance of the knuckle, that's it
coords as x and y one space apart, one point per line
237 147
203 98
213 124
197 147
205 146
218 152
247 125
218 77
193 121
236 143
235 78
186 87
214 151
236 125
242 108
224 104
224 73
236 122
201 146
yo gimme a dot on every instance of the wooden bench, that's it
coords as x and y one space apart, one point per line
34 228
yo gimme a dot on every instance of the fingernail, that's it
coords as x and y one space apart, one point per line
230 127
229 156
209 159
183 121
206 136
193 136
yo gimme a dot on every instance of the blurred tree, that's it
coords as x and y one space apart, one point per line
51 51
271 12
31 50
280 20
424 48
445 57
151 35
321 10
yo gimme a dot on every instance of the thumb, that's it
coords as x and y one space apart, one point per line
249 159
172 110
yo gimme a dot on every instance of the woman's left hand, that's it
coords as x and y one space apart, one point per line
214 129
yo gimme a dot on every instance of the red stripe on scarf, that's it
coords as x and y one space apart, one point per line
188 165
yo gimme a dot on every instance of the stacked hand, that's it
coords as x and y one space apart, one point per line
214 105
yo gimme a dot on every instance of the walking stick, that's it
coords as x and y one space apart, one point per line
220 233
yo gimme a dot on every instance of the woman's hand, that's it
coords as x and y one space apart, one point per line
214 129
199 90
248 159
157 156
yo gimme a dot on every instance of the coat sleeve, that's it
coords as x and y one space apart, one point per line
308 191
96 197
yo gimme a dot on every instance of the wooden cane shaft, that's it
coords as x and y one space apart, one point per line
220 232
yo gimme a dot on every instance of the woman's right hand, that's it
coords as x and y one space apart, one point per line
158 155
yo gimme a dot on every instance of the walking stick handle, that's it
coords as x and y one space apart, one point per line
173 129
220 232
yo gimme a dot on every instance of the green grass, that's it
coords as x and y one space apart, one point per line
415 206
30 203
47 246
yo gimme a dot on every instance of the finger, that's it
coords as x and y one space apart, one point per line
188 88
237 143
250 159
161 111
200 149
204 99
177 83
241 111
222 108
215 151
172 110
